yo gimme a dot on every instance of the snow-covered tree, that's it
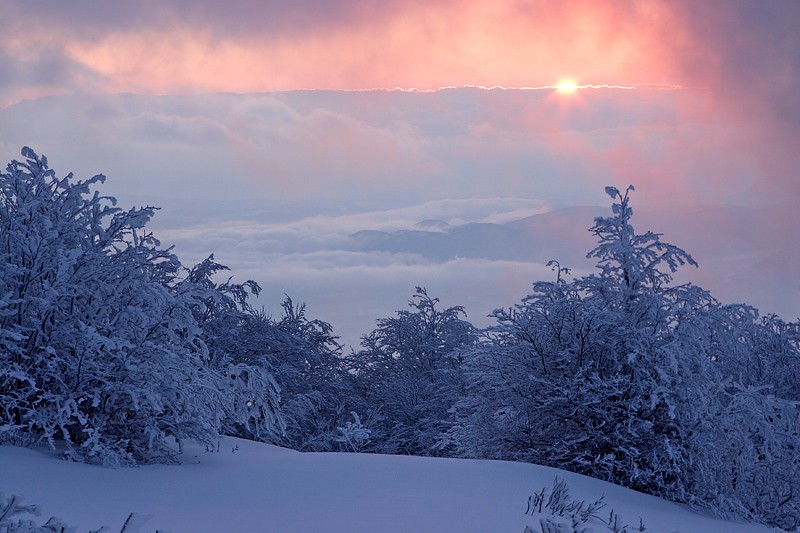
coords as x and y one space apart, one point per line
225 319
744 433
624 376
101 348
409 373
295 355
310 367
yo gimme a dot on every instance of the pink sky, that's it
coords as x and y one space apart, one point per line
150 46
735 62
247 46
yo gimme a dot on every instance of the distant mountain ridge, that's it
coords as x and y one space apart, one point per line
739 242
561 234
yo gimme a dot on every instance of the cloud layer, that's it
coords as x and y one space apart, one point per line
736 61
241 45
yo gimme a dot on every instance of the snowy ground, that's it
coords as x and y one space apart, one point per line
262 488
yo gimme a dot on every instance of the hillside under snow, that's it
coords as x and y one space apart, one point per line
253 487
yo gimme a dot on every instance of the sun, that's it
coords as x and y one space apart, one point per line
566 87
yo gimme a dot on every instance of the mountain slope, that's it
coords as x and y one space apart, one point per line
248 486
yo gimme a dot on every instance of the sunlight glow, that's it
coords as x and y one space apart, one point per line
566 87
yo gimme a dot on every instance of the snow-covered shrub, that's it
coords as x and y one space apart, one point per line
353 436
302 359
13 509
409 373
558 512
309 367
250 396
623 376
100 343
